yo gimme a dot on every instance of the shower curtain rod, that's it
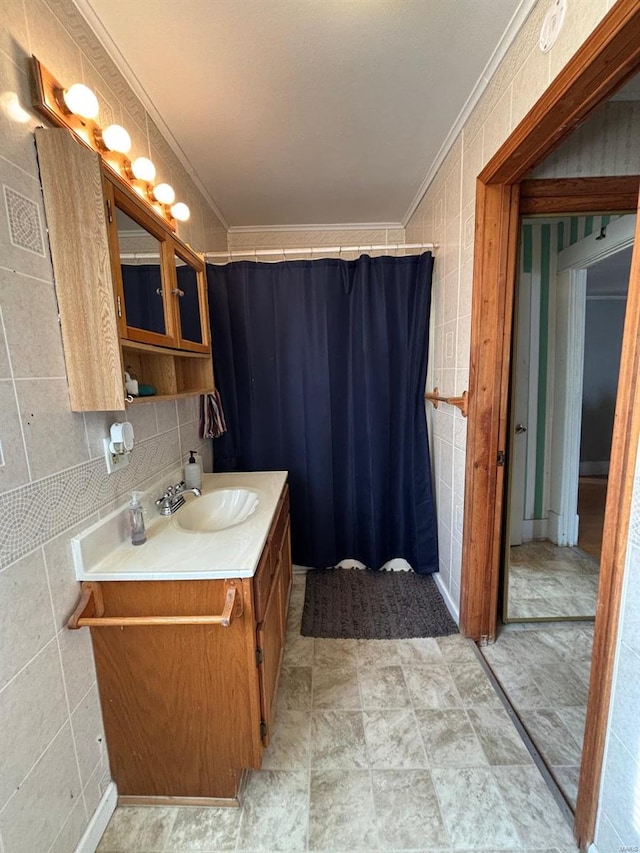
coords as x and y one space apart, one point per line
319 249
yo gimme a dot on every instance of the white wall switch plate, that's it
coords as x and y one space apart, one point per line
115 461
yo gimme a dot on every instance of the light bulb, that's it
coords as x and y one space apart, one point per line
164 194
117 139
81 101
180 211
143 169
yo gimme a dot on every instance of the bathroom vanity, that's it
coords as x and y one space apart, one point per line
188 635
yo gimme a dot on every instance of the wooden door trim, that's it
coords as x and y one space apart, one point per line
491 320
551 196
605 61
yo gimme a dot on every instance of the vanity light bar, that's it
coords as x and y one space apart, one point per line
76 108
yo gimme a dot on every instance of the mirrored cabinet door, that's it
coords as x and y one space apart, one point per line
191 307
141 268
143 299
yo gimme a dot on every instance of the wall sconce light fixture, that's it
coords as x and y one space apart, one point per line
77 109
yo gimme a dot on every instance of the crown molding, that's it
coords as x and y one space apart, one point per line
335 226
515 24
86 10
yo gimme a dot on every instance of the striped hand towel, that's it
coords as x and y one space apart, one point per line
212 422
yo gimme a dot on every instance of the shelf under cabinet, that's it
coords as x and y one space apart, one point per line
173 373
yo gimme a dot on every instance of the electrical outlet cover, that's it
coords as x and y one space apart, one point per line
115 461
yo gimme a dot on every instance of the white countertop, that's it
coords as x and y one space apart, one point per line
104 551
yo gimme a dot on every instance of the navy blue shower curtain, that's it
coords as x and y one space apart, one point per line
321 366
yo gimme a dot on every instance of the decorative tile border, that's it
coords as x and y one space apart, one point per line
33 514
23 216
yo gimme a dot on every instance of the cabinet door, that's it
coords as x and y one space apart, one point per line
141 254
192 318
176 700
271 645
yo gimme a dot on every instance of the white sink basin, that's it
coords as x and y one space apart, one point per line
216 510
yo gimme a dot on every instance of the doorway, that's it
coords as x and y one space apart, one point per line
570 304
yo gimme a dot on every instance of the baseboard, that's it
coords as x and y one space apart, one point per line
99 820
444 592
592 848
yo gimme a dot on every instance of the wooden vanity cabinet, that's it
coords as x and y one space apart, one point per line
96 225
188 708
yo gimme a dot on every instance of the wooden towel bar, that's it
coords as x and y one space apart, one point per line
461 402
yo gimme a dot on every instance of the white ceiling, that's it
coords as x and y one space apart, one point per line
307 111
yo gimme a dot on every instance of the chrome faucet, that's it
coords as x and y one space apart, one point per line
173 498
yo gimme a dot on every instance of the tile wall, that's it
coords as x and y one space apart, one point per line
446 216
53 480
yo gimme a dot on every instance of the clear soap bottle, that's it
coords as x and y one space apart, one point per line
193 472
136 520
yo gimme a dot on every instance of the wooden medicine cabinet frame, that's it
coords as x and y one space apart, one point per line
80 196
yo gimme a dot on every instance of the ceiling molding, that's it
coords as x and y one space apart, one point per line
515 24
85 9
336 226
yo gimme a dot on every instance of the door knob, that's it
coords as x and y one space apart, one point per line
520 428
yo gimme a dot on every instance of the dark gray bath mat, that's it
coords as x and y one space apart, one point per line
360 604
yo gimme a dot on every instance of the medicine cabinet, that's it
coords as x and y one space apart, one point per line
131 295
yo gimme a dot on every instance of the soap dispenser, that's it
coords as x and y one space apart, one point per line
193 472
136 520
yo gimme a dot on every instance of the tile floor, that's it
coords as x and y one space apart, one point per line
547 582
545 674
379 746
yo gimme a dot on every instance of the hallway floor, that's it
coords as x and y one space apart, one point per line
380 745
545 674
